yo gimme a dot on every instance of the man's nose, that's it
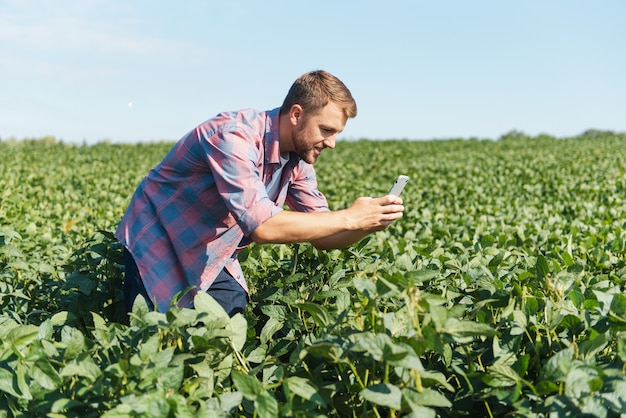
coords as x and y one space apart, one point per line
330 142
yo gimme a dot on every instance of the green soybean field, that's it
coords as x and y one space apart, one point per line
500 293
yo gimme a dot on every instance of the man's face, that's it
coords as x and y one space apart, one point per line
317 131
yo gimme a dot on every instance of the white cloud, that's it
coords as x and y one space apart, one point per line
71 29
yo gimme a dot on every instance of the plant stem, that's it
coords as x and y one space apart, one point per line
488 409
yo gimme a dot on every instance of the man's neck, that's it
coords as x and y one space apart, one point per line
284 134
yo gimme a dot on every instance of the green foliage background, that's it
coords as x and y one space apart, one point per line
500 293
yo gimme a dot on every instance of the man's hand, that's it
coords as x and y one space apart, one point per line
365 216
369 214
326 230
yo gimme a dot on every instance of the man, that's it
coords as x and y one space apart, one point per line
224 186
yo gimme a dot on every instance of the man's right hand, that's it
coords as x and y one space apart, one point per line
369 214
327 230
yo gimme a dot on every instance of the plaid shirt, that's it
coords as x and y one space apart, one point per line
194 211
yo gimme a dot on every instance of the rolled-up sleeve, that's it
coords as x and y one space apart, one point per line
304 195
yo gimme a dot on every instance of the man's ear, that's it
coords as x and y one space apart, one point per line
295 114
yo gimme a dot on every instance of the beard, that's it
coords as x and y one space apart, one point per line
305 151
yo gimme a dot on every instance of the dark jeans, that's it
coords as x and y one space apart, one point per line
225 289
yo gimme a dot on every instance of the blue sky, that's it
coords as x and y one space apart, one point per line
144 70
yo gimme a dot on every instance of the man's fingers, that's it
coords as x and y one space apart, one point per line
390 200
393 209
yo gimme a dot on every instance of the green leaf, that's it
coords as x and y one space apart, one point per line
558 365
462 329
228 402
567 258
82 366
305 389
266 406
589 348
501 375
319 313
60 318
239 327
258 354
427 397
618 304
148 404
336 276
269 329
576 297
45 373
542 266
45 330
248 385
621 347
204 302
332 351
274 311
21 373
8 234
383 394
62 405
366 287
581 382
8 384
74 341
520 318
171 377
373 345
22 336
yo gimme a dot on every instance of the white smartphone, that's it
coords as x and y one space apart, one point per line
398 185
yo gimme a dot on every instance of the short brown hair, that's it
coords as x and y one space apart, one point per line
315 89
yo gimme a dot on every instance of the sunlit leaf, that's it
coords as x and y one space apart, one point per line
383 394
